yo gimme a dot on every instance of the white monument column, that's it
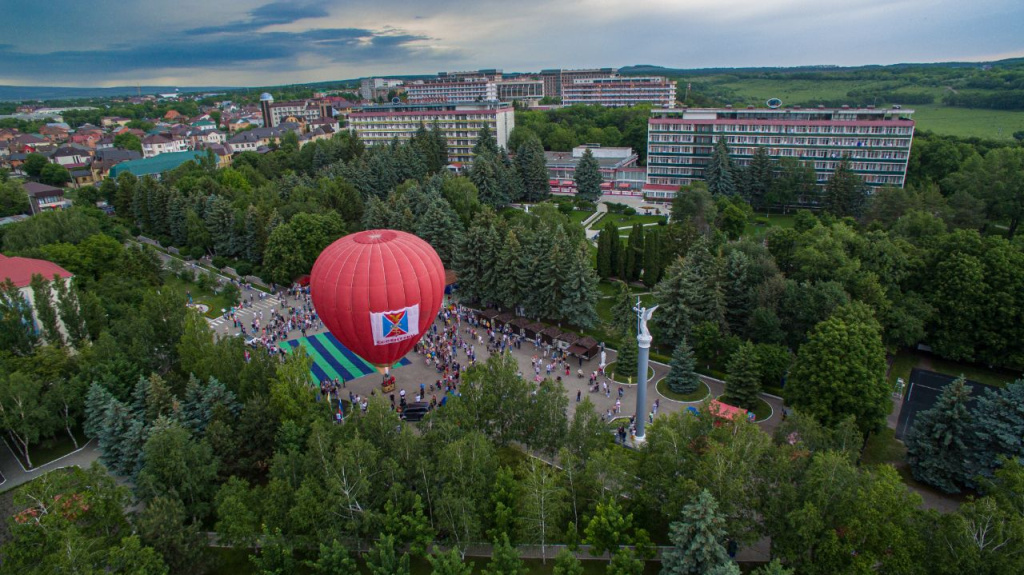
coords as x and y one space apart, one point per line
643 340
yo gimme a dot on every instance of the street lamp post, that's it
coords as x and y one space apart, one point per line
643 340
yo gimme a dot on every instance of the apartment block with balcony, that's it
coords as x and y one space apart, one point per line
460 121
621 91
277 113
441 92
680 142
555 80
520 89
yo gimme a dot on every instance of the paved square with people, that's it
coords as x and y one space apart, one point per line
292 321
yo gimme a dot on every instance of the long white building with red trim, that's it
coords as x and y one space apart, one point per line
680 142
621 91
460 122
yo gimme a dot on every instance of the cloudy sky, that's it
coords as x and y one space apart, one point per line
261 42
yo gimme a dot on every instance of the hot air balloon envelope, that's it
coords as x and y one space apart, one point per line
378 291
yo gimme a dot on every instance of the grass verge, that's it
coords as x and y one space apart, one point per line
907 359
700 394
215 302
621 220
579 215
51 448
610 370
882 448
762 410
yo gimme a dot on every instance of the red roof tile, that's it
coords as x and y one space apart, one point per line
21 270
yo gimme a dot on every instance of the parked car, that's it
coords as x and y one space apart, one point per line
416 411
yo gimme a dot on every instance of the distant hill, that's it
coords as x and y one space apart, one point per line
647 69
42 93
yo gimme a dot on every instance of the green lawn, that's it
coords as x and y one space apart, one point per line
882 447
908 359
759 231
702 392
625 378
762 410
964 122
607 288
622 220
216 302
579 215
992 124
46 450
791 91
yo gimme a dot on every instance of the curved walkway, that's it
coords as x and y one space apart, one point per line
14 474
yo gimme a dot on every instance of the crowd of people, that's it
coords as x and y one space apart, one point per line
296 314
449 346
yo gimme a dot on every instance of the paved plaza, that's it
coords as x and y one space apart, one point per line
417 371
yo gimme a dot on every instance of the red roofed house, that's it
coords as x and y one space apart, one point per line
20 271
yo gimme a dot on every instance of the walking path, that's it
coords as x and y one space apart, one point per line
14 474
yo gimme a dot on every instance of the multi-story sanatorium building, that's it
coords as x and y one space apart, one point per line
621 91
511 89
274 113
468 90
460 121
555 79
680 142
467 87
617 165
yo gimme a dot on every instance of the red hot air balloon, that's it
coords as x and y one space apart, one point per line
378 292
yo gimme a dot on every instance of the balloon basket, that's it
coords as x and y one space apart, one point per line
387 387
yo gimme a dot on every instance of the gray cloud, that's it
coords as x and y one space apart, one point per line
268 41
263 16
220 51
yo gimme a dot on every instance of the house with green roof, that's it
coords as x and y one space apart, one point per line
157 164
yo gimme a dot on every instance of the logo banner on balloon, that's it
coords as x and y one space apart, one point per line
392 326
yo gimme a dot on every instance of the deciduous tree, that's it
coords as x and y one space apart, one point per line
543 505
831 387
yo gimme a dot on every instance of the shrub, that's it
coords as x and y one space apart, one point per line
629 211
197 252
220 262
244 268
230 293
176 266
205 281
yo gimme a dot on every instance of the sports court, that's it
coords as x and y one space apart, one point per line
331 359
922 392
